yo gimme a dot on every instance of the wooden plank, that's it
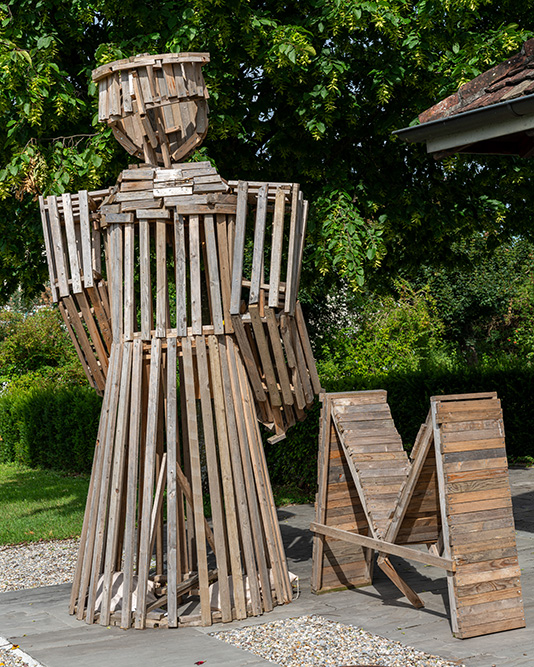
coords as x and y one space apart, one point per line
248 358
293 246
145 279
213 479
226 477
96 339
383 546
106 414
161 279
181 278
48 247
213 275
132 475
273 538
292 362
259 239
87 355
149 468
245 439
281 367
57 246
225 270
301 362
108 445
232 404
276 248
129 293
239 247
300 255
116 281
172 490
85 234
265 356
194 274
307 349
117 481
196 481
74 263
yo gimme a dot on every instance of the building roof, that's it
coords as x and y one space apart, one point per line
493 113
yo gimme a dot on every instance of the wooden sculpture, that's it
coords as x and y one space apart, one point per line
453 496
191 342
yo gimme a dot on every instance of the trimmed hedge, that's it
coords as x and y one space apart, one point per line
50 426
294 460
54 426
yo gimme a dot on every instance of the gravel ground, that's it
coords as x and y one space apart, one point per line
37 564
314 641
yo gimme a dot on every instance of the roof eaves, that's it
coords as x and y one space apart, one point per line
462 129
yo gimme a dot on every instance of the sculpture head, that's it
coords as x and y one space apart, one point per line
156 105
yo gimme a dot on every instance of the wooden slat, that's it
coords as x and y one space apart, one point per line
213 275
129 293
194 274
85 235
74 263
265 355
276 248
386 547
239 247
117 481
244 439
161 278
132 476
232 404
259 238
293 247
172 490
144 271
180 270
147 491
57 246
213 479
219 407
196 480
102 503
48 247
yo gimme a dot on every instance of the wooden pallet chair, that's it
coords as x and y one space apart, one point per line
455 499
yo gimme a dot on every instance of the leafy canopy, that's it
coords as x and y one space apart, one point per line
306 91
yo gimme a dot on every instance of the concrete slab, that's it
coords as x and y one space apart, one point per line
38 621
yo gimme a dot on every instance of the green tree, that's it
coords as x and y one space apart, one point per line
307 91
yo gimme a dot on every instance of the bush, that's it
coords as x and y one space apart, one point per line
49 425
34 342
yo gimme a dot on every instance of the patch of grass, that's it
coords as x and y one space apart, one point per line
291 494
40 504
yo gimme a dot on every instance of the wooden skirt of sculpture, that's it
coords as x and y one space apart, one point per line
194 345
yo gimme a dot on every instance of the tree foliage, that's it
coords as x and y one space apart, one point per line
305 91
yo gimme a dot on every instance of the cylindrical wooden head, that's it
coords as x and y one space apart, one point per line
156 104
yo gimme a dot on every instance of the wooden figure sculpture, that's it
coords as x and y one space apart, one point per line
176 312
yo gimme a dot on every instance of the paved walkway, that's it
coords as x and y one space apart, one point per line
38 621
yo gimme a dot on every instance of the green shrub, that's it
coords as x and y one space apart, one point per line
36 341
49 425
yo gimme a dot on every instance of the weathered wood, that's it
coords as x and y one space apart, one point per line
213 276
196 481
145 281
194 274
259 239
149 467
239 247
276 248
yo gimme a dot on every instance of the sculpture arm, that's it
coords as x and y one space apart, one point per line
73 246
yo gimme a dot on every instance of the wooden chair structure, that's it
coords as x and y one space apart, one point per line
192 340
452 496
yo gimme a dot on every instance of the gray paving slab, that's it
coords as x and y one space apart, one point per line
38 620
